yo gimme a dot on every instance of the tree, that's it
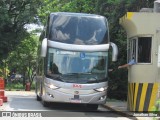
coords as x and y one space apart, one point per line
81 6
23 58
14 14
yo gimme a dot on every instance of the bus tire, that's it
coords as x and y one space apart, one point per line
92 106
38 98
45 104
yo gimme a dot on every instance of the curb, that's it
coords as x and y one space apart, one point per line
122 113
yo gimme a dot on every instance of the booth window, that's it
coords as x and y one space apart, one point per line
140 49
132 49
144 49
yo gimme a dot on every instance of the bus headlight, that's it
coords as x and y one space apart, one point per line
51 86
101 89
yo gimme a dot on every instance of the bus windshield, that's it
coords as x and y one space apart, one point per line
79 30
76 67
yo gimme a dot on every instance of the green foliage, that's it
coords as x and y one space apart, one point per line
23 58
17 85
17 47
14 14
81 6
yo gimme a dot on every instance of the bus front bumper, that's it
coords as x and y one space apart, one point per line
58 96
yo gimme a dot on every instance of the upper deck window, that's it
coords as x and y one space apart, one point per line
79 29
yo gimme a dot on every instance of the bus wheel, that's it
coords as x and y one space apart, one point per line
45 104
38 98
92 106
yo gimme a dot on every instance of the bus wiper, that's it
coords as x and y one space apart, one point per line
78 73
57 77
71 74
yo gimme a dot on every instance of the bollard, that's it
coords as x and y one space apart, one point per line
28 86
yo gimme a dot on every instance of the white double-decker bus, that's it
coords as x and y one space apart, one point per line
72 64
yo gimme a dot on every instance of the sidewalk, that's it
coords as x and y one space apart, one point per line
120 107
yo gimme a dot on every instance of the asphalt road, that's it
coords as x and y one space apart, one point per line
26 101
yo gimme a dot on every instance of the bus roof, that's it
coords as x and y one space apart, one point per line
76 14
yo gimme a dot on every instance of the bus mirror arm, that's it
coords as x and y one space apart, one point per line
44 47
114 51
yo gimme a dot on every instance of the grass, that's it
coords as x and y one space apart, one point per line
15 86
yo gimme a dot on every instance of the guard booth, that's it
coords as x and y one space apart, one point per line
143 43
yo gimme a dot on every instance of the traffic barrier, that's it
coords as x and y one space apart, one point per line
1 102
1 83
3 98
1 92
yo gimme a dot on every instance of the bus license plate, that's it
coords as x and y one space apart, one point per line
76 101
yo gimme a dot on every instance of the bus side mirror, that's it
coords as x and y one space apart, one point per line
114 51
44 47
